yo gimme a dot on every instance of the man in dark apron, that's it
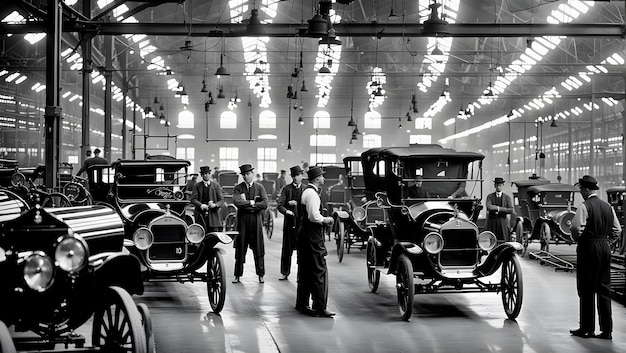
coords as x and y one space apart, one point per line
499 205
595 226
288 205
312 269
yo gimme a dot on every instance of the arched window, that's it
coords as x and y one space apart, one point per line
323 140
267 120
185 119
372 141
321 120
372 120
228 120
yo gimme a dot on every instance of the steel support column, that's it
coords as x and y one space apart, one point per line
52 114
85 43
108 75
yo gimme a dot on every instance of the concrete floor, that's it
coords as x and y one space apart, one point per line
261 317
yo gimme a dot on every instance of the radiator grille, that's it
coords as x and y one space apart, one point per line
460 248
169 243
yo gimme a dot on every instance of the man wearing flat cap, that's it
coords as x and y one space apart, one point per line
207 197
499 205
288 206
251 199
312 269
595 227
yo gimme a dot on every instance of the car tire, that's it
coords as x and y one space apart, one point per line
512 286
341 239
521 237
117 323
373 275
216 281
405 287
146 321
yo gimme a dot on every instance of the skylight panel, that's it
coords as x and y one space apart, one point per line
14 18
568 10
579 5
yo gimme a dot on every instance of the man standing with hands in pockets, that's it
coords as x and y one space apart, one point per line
287 205
311 249
207 197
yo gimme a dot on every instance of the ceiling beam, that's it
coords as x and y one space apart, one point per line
617 30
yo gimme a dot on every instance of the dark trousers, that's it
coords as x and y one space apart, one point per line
303 293
286 255
240 259
593 279
318 281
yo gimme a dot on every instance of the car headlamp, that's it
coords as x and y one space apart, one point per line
195 233
358 213
38 271
143 238
487 240
433 243
71 254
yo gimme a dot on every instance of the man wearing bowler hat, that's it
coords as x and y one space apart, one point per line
595 227
207 197
288 206
499 205
251 199
312 269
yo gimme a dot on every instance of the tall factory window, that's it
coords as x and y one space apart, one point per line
424 123
372 120
266 157
323 140
267 120
372 141
229 158
420 139
187 153
228 120
325 158
321 120
185 119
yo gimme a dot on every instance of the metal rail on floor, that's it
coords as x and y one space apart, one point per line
559 263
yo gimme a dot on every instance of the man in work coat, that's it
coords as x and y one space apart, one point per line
499 205
250 199
288 205
595 227
312 269
207 197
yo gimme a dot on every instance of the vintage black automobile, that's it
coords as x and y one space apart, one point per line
60 267
358 212
169 242
29 182
616 196
432 244
544 212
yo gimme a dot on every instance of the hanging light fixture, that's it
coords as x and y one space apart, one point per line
254 27
156 100
211 100
324 69
222 71
436 50
356 130
161 107
408 117
290 91
318 26
392 14
434 25
303 89
301 121
220 94
204 89
553 123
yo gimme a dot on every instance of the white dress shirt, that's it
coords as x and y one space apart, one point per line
312 201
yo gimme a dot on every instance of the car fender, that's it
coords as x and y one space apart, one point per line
496 256
404 247
213 238
118 269
341 215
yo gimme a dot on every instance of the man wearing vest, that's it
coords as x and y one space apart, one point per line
595 226
499 205
251 199
288 206
312 270
207 197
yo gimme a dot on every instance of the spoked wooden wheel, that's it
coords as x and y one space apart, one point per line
545 236
512 286
268 223
405 288
56 199
521 237
117 323
146 321
6 342
340 238
230 223
216 281
373 275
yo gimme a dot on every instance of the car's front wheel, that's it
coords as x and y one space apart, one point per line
146 321
340 238
522 237
405 287
216 281
117 323
373 275
512 286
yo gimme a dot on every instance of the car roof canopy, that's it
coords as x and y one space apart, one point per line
425 152
552 188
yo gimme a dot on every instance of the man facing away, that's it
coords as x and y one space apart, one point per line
594 226
250 199
312 269
498 205
207 197
288 206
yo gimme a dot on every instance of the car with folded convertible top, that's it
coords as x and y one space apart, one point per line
432 244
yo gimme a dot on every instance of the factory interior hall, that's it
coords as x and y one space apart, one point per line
114 113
